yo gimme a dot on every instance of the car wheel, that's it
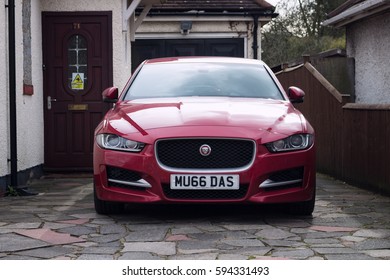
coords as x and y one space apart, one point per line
106 207
304 208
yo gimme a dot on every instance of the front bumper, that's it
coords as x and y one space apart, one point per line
138 178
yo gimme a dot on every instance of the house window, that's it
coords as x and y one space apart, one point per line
77 62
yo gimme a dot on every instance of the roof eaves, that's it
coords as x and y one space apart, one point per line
202 13
346 5
216 6
358 11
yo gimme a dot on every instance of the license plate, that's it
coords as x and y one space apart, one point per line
204 182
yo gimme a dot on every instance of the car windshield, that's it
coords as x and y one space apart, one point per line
203 79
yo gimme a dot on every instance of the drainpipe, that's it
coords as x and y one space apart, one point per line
12 93
255 45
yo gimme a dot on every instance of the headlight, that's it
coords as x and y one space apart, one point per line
293 143
115 142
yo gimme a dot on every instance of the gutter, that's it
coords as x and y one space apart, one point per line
12 93
211 14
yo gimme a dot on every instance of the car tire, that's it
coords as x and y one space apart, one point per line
106 207
304 208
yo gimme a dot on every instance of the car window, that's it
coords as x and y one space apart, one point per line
203 79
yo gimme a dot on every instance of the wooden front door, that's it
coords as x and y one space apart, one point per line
77 67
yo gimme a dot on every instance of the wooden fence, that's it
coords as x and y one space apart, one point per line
353 140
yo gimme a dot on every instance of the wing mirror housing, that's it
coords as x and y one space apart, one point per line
296 95
110 95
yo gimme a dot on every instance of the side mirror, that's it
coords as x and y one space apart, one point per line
110 95
296 95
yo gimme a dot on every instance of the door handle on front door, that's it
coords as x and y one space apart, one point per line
49 101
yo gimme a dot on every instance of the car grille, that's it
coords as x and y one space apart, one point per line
225 153
205 194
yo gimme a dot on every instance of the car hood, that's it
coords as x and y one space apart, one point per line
258 114
272 116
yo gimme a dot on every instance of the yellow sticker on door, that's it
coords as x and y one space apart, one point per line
78 81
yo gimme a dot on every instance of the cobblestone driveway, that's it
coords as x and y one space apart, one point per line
60 223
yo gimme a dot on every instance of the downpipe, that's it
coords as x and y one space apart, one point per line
13 160
12 93
255 45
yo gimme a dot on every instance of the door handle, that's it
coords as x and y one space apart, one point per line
49 101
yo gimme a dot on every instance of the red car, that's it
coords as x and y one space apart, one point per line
204 130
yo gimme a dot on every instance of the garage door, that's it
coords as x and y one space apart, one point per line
145 49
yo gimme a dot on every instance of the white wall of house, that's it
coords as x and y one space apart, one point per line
30 108
368 42
3 90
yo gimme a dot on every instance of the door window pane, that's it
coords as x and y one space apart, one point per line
77 62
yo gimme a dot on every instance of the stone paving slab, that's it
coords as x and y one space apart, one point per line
49 236
158 248
60 223
10 243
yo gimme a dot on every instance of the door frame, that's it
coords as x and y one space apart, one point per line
46 89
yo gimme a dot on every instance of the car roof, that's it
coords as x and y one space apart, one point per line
204 59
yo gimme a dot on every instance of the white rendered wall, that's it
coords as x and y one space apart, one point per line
20 102
368 42
30 108
4 113
24 107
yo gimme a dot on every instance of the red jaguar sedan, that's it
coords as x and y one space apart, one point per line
204 130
